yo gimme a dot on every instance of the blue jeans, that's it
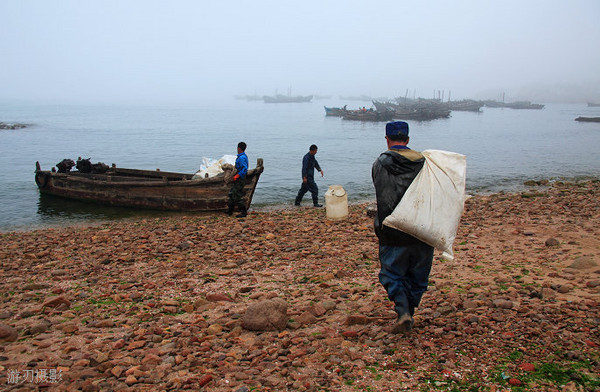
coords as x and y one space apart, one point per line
405 274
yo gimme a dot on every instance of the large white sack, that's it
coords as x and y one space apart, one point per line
212 168
431 208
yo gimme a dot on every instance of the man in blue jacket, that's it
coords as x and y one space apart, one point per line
309 164
236 192
405 260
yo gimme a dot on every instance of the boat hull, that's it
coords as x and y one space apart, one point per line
287 99
335 112
358 115
588 119
146 189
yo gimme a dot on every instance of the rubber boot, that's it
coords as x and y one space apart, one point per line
316 202
229 210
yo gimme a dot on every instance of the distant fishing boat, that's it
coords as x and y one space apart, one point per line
286 98
593 105
368 115
417 110
465 105
336 112
588 119
12 126
513 105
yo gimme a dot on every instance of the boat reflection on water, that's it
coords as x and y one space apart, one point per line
58 211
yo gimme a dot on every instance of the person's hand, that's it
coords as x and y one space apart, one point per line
305 179
236 177
322 174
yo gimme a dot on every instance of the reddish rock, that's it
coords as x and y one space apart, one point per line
218 297
117 371
528 367
503 304
266 315
306 318
591 343
214 329
356 319
204 380
583 263
8 333
565 288
118 344
515 382
151 359
69 328
350 334
552 242
57 301
317 310
103 324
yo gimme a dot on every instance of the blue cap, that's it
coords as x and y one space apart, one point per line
396 128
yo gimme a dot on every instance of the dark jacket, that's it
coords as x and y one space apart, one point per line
309 164
392 173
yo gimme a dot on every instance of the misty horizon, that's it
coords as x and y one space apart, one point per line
185 52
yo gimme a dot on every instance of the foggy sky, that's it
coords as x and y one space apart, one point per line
189 51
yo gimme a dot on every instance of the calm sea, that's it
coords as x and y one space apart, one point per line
504 147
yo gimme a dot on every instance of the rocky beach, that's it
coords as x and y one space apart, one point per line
288 300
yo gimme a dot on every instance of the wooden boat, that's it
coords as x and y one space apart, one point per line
369 115
588 119
465 105
12 126
514 105
147 189
416 110
524 105
422 114
286 98
336 112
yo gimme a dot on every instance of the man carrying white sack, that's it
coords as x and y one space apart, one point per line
405 260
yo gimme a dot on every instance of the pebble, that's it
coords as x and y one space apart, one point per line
503 304
552 242
56 302
8 333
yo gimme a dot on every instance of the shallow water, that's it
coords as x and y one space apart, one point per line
504 147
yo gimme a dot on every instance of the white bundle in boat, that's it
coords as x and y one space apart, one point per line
211 167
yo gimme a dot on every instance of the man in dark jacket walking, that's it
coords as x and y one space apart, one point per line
309 164
405 260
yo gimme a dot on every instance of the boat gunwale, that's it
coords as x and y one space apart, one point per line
141 181
144 177
89 187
